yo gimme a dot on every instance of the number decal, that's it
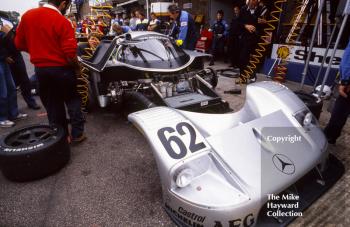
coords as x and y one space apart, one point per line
193 146
167 143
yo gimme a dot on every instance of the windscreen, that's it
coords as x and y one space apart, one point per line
152 52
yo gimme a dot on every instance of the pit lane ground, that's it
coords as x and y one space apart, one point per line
112 180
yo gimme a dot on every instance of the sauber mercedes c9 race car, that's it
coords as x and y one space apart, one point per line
260 166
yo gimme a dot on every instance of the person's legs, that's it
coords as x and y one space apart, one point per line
235 52
220 47
338 119
214 50
247 47
19 72
3 94
244 55
12 107
73 103
51 94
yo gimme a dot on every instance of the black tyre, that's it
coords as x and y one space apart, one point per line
33 152
314 104
92 103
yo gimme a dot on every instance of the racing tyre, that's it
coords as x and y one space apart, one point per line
33 152
313 103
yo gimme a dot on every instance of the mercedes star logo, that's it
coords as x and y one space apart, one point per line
283 164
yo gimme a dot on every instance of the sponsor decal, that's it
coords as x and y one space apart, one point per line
173 141
184 23
283 164
186 217
299 55
247 221
23 148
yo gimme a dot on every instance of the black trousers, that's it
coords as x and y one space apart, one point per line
247 46
218 47
20 76
234 50
338 119
58 87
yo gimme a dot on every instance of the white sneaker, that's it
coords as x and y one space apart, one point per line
7 124
21 116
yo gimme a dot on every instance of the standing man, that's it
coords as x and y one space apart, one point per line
220 32
249 23
234 38
341 110
49 39
142 21
154 24
187 36
8 95
133 20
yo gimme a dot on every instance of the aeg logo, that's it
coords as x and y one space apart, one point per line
245 222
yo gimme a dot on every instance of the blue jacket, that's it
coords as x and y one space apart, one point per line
126 29
220 27
187 27
345 65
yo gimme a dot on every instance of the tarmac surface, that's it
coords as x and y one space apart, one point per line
112 179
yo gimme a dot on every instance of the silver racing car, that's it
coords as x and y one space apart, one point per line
262 165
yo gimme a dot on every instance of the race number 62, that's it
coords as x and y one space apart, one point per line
169 143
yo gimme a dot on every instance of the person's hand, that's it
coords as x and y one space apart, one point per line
250 28
344 90
9 60
6 28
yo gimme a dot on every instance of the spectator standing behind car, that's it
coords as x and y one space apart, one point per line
142 21
133 20
118 19
154 24
341 110
234 38
187 35
8 95
53 52
220 31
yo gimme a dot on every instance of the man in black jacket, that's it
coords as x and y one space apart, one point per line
249 24
234 38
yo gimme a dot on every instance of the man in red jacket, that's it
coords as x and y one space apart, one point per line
50 40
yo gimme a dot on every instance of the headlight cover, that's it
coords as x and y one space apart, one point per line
184 177
306 118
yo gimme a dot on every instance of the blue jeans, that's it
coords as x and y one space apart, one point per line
8 94
58 88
